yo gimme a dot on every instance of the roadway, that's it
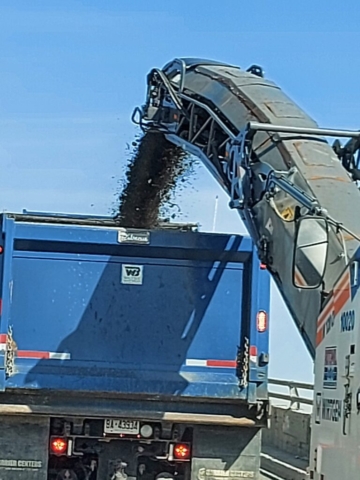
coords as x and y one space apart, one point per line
269 476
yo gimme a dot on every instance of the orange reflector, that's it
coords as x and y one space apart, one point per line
58 446
261 321
181 451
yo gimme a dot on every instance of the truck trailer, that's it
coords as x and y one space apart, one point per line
130 354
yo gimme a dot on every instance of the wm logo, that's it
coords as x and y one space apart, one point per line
132 271
132 274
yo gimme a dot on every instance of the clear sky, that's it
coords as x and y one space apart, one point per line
72 71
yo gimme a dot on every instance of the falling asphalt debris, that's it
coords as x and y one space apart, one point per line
151 178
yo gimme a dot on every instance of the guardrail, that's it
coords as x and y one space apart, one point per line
292 395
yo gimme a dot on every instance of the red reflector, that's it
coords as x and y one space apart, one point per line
262 266
253 351
58 445
181 451
261 321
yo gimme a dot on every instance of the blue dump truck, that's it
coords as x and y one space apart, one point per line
130 354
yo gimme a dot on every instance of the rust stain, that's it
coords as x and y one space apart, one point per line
329 177
298 146
349 238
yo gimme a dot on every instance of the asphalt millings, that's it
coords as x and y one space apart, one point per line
150 179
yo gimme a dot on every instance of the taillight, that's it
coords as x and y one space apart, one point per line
181 451
58 446
261 321
1 249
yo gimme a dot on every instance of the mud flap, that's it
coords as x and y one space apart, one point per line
226 453
24 448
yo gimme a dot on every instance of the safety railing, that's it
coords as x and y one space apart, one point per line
291 392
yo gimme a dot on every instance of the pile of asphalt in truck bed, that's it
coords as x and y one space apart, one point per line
151 177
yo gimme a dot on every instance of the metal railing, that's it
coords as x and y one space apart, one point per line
292 395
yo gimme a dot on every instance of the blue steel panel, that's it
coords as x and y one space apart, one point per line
105 236
6 289
105 325
219 336
260 301
127 338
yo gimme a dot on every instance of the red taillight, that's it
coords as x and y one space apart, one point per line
263 266
58 446
182 451
261 321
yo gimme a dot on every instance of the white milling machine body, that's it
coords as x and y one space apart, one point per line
298 198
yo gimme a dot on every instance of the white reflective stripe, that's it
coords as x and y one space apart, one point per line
59 356
52 355
195 363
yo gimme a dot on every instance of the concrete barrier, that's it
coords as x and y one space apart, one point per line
286 444
289 431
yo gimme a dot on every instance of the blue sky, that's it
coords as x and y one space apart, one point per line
72 72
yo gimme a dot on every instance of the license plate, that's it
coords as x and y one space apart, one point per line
121 425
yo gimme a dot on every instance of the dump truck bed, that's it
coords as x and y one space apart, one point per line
90 307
